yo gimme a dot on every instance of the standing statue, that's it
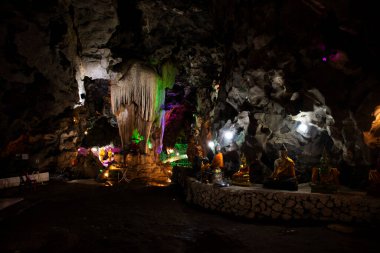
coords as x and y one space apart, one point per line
284 174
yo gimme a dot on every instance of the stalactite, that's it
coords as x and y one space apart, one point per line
137 100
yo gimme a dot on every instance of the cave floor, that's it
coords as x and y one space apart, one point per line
87 217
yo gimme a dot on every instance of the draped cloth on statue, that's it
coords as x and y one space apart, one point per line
284 168
217 162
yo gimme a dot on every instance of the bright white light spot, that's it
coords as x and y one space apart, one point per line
211 144
302 128
94 149
228 135
85 132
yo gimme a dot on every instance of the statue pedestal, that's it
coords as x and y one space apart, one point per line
290 184
241 183
241 180
323 188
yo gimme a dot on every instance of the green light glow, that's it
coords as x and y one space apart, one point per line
136 137
150 146
166 81
175 159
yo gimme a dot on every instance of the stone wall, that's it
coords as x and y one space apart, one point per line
259 203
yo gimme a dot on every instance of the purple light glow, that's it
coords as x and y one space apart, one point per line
324 59
82 151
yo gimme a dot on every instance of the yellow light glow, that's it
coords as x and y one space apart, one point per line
372 137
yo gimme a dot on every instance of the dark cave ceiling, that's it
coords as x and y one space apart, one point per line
272 59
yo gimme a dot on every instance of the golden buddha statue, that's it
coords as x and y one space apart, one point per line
241 177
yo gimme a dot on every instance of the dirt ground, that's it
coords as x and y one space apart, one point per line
84 217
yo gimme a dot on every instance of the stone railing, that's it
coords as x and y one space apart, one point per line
259 203
15 181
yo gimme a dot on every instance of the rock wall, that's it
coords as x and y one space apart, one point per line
259 203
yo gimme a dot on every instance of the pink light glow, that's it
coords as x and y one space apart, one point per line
338 56
324 58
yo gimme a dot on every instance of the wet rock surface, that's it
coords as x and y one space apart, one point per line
87 217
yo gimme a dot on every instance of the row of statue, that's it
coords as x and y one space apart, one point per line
324 177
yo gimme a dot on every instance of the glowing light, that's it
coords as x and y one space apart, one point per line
371 137
175 158
228 135
85 132
324 59
211 144
137 137
94 149
106 174
169 150
150 145
302 128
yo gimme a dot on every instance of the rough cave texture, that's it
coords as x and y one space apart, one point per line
262 69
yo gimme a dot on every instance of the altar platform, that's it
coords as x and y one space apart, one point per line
256 202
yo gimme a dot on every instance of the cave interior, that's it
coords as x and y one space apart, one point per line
248 76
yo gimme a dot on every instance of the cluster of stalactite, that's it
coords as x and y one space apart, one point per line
137 101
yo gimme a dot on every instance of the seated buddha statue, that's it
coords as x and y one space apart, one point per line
325 178
284 174
241 177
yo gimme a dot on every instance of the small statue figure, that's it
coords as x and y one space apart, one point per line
241 177
217 166
109 155
102 154
284 174
217 161
215 91
325 179
197 159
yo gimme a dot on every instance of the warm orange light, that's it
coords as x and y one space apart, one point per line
372 137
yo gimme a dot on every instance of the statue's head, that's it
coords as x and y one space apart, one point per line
283 151
243 160
325 157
